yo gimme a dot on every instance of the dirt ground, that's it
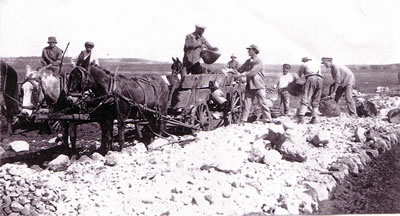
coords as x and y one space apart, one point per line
374 191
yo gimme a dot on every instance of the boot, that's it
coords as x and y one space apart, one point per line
313 120
300 119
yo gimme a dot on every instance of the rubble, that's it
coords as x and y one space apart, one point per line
233 170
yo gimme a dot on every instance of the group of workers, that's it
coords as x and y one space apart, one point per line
251 70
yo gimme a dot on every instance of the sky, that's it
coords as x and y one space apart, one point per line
350 31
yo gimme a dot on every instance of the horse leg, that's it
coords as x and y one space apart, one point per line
65 126
110 124
103 148
73 137
121 130
9 125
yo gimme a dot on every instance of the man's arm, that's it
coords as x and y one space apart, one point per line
300 72
257 67
336 79
208 45
57 62
191 43
45 58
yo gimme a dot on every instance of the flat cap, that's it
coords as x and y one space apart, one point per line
89 43
326 59
233 55
52 39
305 59
200 26
255 47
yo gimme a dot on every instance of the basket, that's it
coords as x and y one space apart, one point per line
271 94
394 116
367 109
275 112
295 88
329 107
209 56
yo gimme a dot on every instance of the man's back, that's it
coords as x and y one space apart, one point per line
342 75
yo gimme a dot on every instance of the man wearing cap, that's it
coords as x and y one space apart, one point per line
312 89
344 82
233 63
284 80
51 55
252 69
86 56
194 44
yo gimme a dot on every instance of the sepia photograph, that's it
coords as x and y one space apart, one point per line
185 107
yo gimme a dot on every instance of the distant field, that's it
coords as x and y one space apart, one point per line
368 77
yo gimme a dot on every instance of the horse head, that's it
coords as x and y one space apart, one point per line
95 79
176 66
39 84
31 91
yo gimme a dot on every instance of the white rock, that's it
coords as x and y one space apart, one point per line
52 140
360 134
272 157
2 151
320 139
111 159
158 143
19 146
60 163
98 157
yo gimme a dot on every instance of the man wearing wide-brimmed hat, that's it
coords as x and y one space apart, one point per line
233 63
51 55
252 69
312 89
86 56
194 44
344 82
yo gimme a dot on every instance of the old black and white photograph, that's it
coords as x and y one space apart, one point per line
199 107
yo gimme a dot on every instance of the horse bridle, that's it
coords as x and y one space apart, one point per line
37 89
85 79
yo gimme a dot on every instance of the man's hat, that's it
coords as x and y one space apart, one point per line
255 47
305 59
233 55
200 26
52 39
89 44
286 66
326 59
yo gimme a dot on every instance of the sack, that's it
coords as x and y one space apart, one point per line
329 108
209 56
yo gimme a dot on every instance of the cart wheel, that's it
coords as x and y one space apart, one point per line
236 106
202 117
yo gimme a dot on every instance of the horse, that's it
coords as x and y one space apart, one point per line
42 86
9 94
122 98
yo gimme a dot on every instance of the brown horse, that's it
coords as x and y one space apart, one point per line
9 95
122 98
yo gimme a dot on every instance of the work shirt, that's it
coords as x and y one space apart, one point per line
51 55
85 59
342 75
193 46
233 64
284 80
309 68
253 70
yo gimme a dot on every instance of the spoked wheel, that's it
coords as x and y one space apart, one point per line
202 117
236 107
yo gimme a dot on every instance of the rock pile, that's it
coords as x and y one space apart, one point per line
235 170
24 192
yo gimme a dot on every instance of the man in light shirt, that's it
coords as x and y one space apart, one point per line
344 82
194 43
282 86
86 56
312 88
252 69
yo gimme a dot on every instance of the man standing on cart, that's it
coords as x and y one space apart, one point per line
252 69
194 44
